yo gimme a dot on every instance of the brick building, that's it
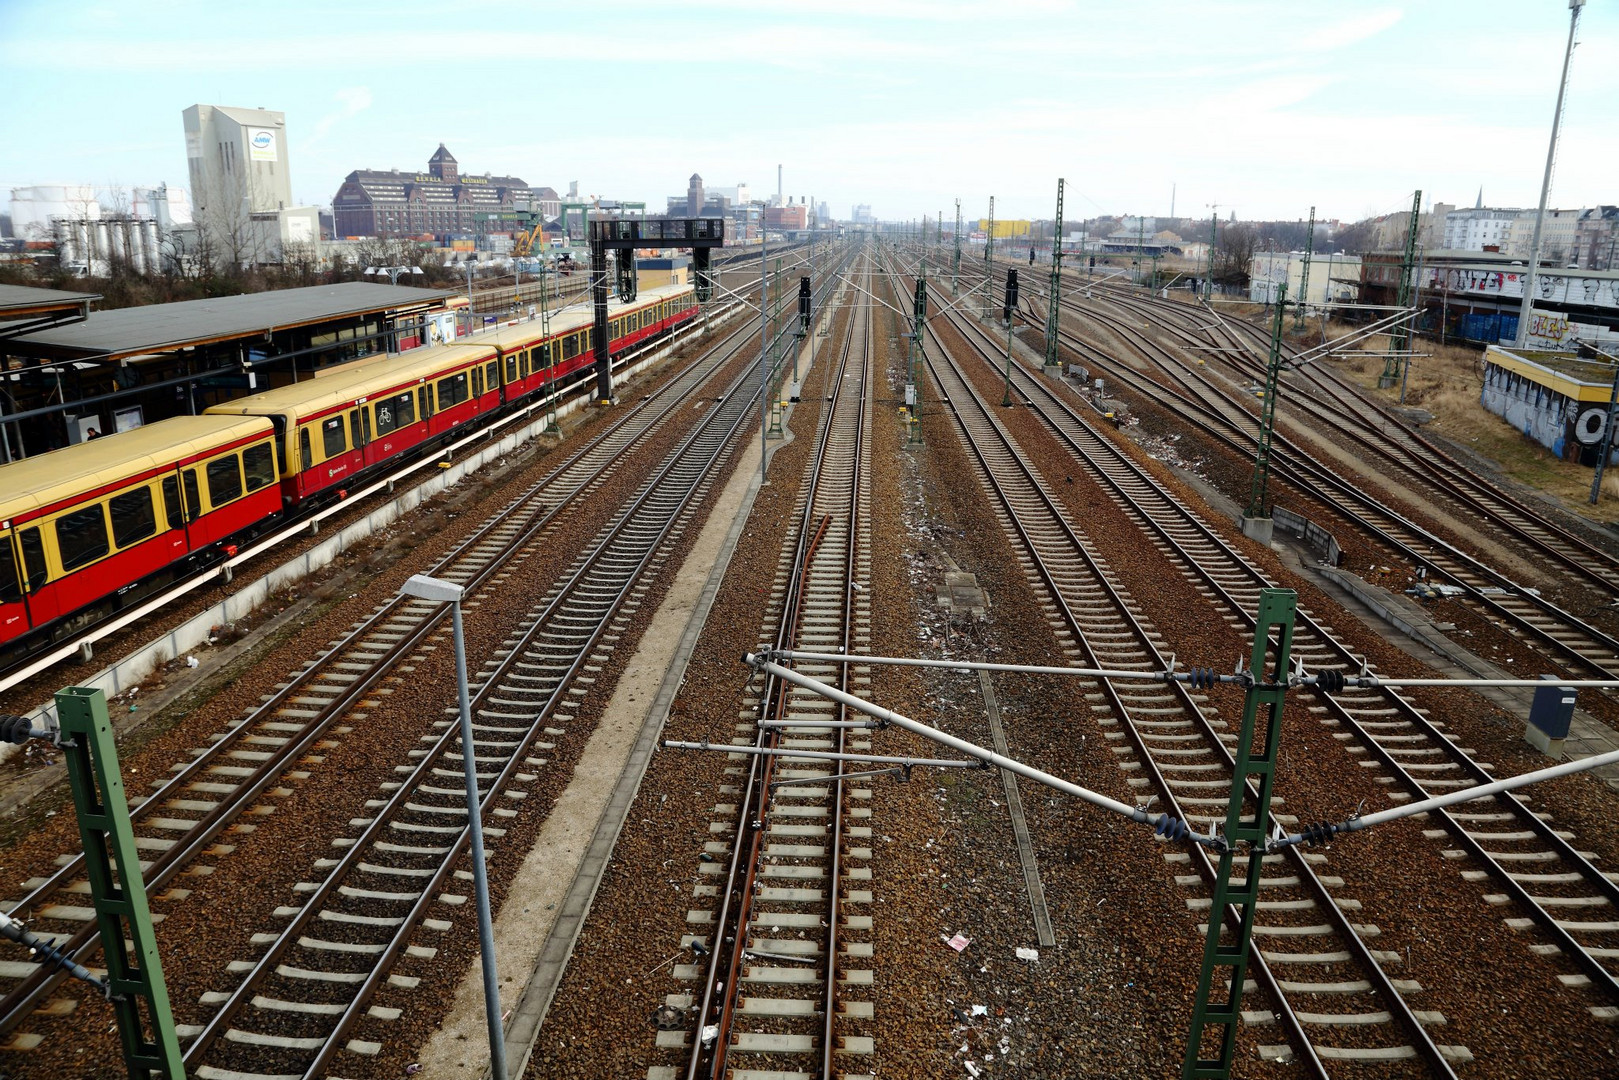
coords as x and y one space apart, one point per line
441 200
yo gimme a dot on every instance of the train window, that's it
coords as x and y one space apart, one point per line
133 517
511 366
81 536
542 356
331 434
171 503
306 453
193 496
10 587
452 390
356 431
491 375
587 340
33 558
224 480
477 381
259 466
396 412
570 346
424 400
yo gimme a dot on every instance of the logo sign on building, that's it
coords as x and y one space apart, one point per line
260 144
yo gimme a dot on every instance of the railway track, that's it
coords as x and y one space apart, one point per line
1556 894
1560 636
1321 394
304 1004
1335 1000
785 989
191 816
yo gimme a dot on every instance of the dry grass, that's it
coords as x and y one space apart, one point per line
1447 381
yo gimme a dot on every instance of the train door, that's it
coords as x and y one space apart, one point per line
360 435
13 606
43 604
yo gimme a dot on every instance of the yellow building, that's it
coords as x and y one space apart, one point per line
1005 229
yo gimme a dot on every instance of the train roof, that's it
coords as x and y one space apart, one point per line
314 395
579 314
44 479
338 386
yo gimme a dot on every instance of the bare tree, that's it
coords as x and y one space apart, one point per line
1234 254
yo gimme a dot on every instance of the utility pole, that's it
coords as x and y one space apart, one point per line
1052 302
1400 336
1217 1009
1258 492
1527 309
1214 238
955 270
989 255
1304 281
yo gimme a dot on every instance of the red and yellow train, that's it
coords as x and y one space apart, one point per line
91 529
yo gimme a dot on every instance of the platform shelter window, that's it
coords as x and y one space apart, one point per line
133 516
81 536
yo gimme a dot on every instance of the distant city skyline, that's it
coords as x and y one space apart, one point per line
1265 108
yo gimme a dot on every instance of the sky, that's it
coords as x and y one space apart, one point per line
1262 108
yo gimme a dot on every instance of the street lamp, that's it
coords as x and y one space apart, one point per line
438 591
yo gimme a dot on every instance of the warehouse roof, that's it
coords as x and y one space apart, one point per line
111 335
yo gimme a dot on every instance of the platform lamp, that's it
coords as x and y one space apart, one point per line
437 591
394 273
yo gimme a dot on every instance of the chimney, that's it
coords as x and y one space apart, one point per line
778 185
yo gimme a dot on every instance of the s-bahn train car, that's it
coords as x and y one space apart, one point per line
336 427
531 360
90 529
93 528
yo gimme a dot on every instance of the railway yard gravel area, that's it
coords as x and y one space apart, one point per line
963 985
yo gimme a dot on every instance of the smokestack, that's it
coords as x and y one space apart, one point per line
778 185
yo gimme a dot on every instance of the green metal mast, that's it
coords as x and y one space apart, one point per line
989 256
955 270
1214 240
128 947
1053 301
1225 963
1258 493
1400 336
1304 281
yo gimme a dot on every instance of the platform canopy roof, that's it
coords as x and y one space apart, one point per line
156 328
26 310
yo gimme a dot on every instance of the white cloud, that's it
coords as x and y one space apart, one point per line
1347 32
351 101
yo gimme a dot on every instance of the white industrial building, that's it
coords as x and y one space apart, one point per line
1334 278
241 181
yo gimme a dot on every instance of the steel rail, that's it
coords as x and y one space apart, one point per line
733 402
726 951
1319 477
1344 929
20 1002
1578 954
1348 413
